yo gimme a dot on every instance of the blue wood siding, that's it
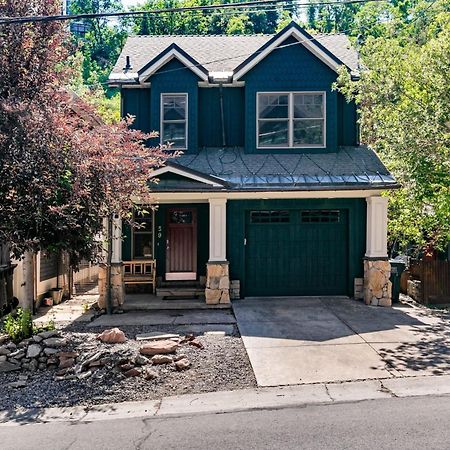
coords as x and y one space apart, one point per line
292 68
210 126
174 77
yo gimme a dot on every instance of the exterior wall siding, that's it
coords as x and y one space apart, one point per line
291 68
210 126
237 211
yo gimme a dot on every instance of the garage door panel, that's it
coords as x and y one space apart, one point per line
297 258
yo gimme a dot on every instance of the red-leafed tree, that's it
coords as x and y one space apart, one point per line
61 168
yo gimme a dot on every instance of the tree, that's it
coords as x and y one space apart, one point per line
62 169
404 102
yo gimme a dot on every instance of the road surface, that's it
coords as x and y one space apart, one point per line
397 423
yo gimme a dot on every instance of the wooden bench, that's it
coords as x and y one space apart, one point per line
140 272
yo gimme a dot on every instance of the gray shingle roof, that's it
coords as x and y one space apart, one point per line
219 52
348 168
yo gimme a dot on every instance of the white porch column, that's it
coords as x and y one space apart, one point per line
116 239
217 270
376 234
377 270
217 229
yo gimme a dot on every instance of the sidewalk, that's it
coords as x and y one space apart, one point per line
240 400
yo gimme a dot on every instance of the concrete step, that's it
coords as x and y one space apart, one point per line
180 292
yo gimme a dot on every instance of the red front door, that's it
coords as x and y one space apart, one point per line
181 245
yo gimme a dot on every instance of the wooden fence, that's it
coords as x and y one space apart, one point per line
6 278
435 280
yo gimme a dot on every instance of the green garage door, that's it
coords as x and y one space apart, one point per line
296 252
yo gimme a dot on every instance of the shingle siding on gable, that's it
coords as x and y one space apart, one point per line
210 124
175 78
291 68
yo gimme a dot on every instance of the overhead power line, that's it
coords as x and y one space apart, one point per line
236 5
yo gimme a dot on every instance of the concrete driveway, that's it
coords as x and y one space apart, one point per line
312 340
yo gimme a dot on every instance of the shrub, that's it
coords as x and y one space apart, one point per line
18 325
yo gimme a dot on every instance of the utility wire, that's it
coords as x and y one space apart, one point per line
236 5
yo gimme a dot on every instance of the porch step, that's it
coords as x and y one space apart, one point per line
180 292
180 284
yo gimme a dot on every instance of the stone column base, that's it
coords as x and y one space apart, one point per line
118 290
377 287
217 283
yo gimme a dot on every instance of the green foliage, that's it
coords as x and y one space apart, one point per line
202 22
18 326
404 102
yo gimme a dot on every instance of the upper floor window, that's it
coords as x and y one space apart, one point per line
291 119
174 120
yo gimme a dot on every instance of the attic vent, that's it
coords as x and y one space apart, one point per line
128 66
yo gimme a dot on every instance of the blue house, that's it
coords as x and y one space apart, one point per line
273 195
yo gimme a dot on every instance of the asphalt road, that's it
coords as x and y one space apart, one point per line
397 423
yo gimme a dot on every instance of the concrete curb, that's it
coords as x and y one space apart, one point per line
241 400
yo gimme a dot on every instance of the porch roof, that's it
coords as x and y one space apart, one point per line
348 168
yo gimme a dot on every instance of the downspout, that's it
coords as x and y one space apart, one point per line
222 115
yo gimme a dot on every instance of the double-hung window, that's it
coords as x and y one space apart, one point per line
291 119
174 120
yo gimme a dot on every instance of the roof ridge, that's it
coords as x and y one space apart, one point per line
200 35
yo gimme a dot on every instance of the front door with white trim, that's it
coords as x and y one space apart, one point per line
181 244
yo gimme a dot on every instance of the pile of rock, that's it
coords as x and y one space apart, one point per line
49 350
39 352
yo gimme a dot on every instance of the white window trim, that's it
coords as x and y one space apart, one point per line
133 257
291 120
161 117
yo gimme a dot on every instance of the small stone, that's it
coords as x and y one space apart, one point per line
3 338
150 374
158 347
126 367
61 372
64 363
3 358
42 366
55 342
141 360
17 384
48 334
52 360
155 336
6 366
68 354
4 351
18 354
112 336
24 343
178 357
182 364
196 343
50 351
42 359
132 373
33 365
161 359
38 338
11 346
34 350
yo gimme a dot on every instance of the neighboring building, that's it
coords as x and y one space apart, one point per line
273 195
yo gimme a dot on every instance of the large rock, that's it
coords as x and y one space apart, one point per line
6 366
34 351
150 374
55 342
48 334
112 336
161 359
182 364
158 347
4 351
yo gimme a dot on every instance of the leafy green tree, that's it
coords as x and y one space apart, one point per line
404 102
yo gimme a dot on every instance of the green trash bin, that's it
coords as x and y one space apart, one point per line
397 268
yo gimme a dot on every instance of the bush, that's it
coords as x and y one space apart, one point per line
19 325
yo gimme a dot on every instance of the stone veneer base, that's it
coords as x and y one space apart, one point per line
377 286
118 291
217 283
